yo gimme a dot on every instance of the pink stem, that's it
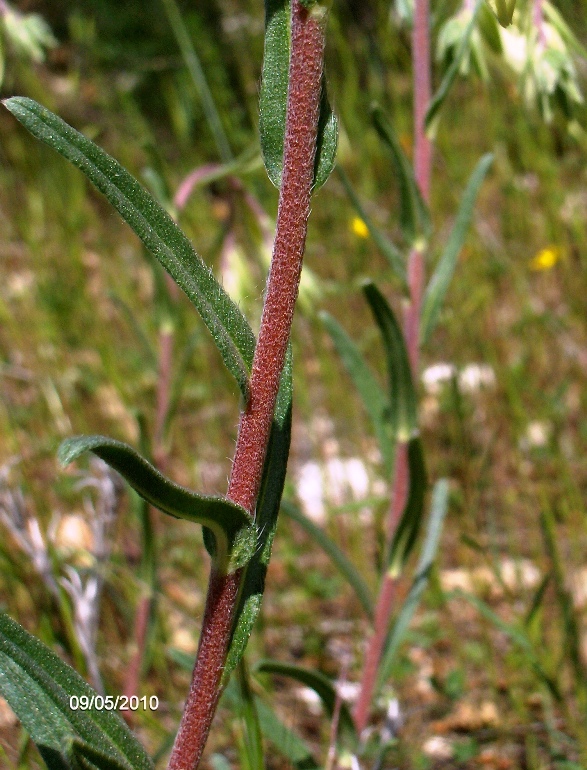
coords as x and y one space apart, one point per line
422 171
306 62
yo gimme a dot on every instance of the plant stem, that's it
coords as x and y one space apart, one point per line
422 172
303 103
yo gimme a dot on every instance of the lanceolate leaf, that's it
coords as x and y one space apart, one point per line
402 398
266 514
427 556
442 276
449 76
338 558
374 399
385 246
414 216
231 526
156 229
408 528
321 684
38 686
273 100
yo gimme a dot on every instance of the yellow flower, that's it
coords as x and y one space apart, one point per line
359 228
546 258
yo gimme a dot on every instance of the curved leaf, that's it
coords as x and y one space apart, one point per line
408 527
38 687
385 246
268 504
438 510
338 557
273 100
402 396
442 276
231 525
374 400
414 216
321 684
153 225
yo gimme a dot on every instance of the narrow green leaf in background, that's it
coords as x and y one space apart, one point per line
383 243
268 504
153 225
408 527
38 686
450 75
273 100
231 525
438 510
252 726
374 400
402 396
321 684
442 276
415 220
338 557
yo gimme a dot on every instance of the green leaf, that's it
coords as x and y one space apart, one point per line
442 276
273 100
450 75
38 687
402 398
321 684
159 233
385 246
338 558
408 527
374 399
438 510
231 525
268 504
414 216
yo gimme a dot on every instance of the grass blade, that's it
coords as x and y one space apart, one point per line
192 62
517 636
442 276
414 216
338 558
385 246
402 396
231 526
159 233
250 717
273 100
38 686
365 382
449 76
321 684
435 522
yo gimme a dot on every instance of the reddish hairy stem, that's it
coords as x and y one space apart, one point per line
416 277
303 103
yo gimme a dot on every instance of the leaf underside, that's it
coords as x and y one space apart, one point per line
231 525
